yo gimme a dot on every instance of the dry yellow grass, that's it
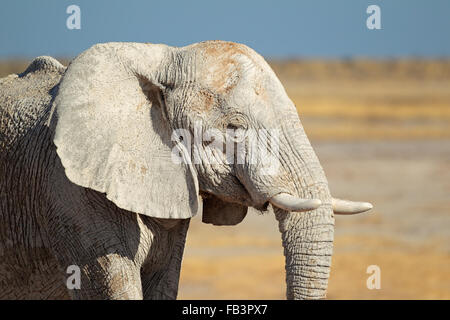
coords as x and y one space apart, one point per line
375 100
407 271
243 277
362 131
379 111
363 69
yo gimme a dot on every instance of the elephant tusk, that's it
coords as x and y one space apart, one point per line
290 203
350 207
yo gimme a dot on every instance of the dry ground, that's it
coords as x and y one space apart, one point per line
382 132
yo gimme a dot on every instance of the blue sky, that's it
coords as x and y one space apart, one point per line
313 28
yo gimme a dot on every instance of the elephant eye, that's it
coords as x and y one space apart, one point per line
236 127
236 132
237 124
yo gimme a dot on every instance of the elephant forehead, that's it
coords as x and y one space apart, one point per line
213 47
223 64
222 75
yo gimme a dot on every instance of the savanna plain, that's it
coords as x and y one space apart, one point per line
381 129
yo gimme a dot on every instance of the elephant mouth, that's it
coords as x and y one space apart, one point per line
287 202
262 207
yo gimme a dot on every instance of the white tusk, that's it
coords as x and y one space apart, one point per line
350 207
290 203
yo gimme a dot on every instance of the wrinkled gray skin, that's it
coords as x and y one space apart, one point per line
59 206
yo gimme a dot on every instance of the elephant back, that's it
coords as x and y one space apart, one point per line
25 99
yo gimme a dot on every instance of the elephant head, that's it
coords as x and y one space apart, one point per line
145 124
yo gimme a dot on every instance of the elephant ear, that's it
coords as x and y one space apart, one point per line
221 213
112 134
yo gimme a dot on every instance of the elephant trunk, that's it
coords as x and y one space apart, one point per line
307 236
308 245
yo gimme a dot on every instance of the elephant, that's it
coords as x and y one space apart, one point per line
89 179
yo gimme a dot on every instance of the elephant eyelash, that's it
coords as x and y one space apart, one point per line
237 122
232 126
